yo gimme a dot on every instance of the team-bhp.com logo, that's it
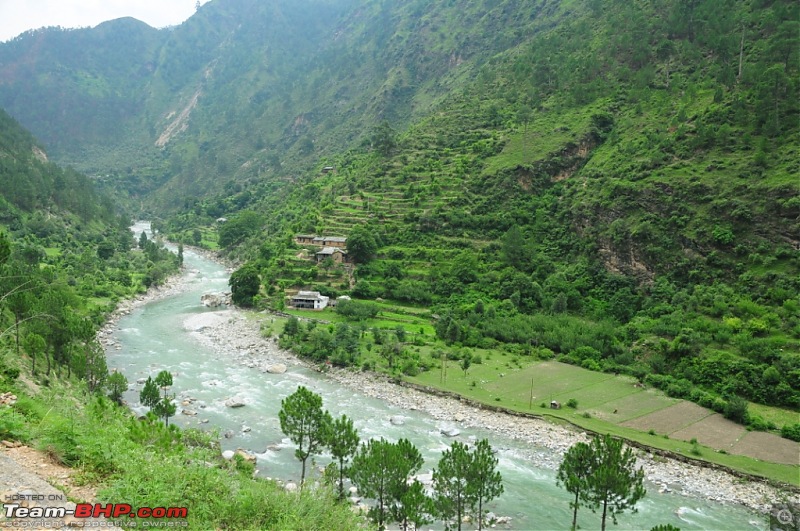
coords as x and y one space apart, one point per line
31 509
94 510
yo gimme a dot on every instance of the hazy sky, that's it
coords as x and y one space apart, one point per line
17 16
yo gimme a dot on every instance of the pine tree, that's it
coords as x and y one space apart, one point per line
614 483
451 492
305 423
343 443
485 482
573 475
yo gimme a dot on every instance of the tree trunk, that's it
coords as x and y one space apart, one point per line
341 479
480 513
303 474
741 56
603 524
575 512
16 330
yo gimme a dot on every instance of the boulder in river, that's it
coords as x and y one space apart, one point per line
397 420
278 368
234 402
450 432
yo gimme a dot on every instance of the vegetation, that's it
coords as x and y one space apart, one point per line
306 424
601 474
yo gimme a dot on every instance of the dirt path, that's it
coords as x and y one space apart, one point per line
29 479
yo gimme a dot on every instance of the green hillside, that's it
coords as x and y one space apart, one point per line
609 183
619 190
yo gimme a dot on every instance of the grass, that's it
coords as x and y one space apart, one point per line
777 415
597 394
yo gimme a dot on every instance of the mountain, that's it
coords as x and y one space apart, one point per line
592 173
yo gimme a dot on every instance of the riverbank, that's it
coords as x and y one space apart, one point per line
237 336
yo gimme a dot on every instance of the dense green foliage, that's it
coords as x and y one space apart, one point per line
602 474
617 189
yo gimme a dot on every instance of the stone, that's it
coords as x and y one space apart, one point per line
273 448
247 456
450 432
353 490
246 429
397 420
234 402
278 368
291 487
189 412
228 454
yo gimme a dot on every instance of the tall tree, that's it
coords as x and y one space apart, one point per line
485 482
614 484
305 423
149 396
343 444
381 470
573 475
165 408
117 384
450 484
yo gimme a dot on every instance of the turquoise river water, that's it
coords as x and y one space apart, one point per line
153 338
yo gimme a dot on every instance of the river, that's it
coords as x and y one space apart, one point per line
154 337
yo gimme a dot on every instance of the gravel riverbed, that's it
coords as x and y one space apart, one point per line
236 335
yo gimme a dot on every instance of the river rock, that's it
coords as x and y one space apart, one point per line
291 487
213 300
450 432
246 429
278 368
273 448
228 454
247 456
228 434
397 420
234 402
189 412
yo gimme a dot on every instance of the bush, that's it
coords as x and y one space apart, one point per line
572 403
791 431
736 409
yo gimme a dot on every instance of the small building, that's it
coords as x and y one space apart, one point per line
336 254
555 405
330 241
310 300
222 220
304 238
328 169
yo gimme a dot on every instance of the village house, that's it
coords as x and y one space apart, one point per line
331 241
303 239
340 242
310 300
334 253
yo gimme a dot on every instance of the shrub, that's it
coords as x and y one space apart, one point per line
791 431
572 403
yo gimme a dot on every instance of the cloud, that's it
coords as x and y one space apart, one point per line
18 16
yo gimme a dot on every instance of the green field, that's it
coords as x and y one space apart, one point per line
604 403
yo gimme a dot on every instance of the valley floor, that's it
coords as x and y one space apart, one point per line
236 334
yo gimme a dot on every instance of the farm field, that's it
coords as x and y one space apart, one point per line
615 404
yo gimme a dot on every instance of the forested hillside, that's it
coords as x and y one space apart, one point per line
611 183
619 190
